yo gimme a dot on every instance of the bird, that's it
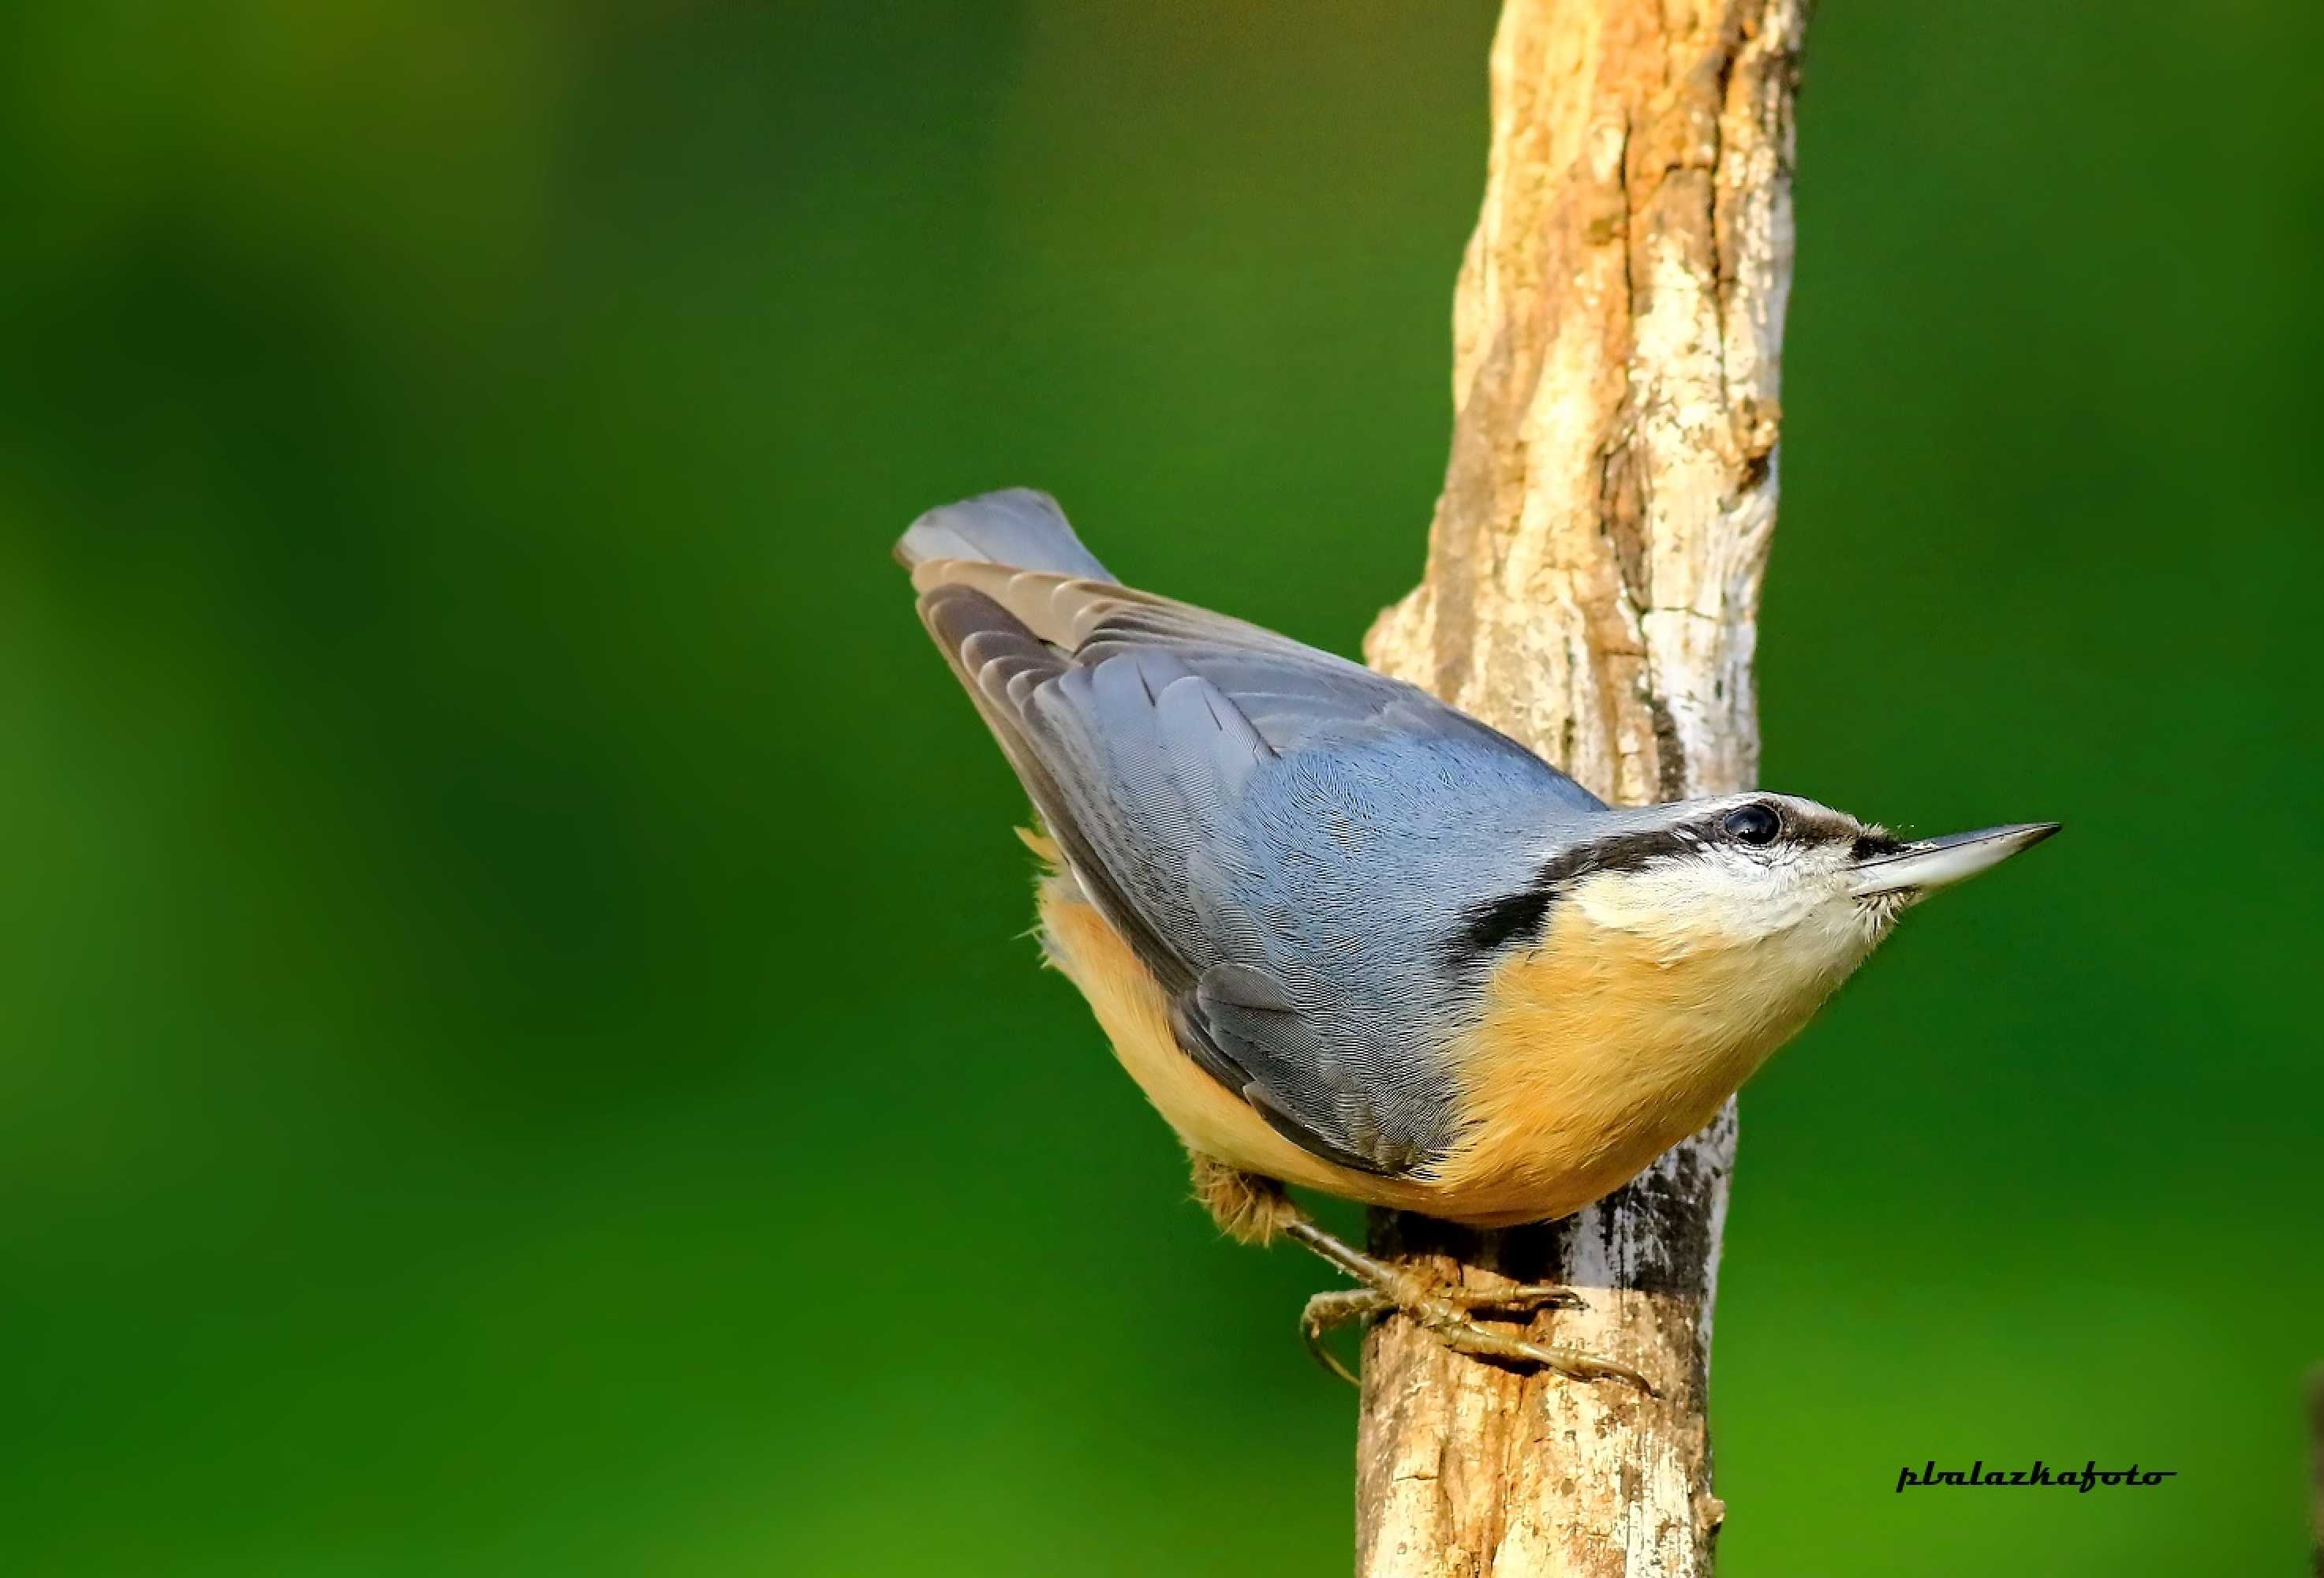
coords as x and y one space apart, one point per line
1347 937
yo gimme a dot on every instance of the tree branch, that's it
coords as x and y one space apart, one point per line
1592 588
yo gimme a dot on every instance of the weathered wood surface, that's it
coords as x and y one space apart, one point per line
1592 588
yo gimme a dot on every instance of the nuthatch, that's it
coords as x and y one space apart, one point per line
1348 938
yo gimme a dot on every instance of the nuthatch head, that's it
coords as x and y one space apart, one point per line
1346 936
1809 890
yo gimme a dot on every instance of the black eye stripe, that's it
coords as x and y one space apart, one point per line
1485 928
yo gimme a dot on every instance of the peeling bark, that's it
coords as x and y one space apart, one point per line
1592 589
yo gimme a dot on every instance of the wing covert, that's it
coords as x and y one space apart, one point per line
1273 830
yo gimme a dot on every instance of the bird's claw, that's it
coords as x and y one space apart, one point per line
1444 1312
1327 1312
1525 1295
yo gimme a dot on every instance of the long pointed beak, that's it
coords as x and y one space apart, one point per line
1937 862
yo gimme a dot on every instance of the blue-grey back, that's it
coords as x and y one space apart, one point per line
1295 845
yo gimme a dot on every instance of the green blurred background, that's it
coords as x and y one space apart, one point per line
520 1051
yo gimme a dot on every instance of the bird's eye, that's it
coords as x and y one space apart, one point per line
1753 824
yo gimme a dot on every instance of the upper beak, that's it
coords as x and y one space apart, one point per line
1936 862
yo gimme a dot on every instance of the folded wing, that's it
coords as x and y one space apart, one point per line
1273 830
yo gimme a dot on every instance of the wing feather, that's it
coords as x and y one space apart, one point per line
1266 825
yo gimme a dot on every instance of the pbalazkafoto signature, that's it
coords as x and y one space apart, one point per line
2085 1480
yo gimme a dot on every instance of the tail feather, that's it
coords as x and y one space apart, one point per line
1019 527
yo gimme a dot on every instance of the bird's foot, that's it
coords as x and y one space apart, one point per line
1258 1209
1445 1312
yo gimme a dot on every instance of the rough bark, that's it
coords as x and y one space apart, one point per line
1592 588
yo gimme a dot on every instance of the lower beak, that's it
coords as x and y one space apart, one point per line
1937 862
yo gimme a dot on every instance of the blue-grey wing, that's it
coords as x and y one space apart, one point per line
1292 693
1284 838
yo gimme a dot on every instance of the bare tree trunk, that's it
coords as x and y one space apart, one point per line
1592 588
